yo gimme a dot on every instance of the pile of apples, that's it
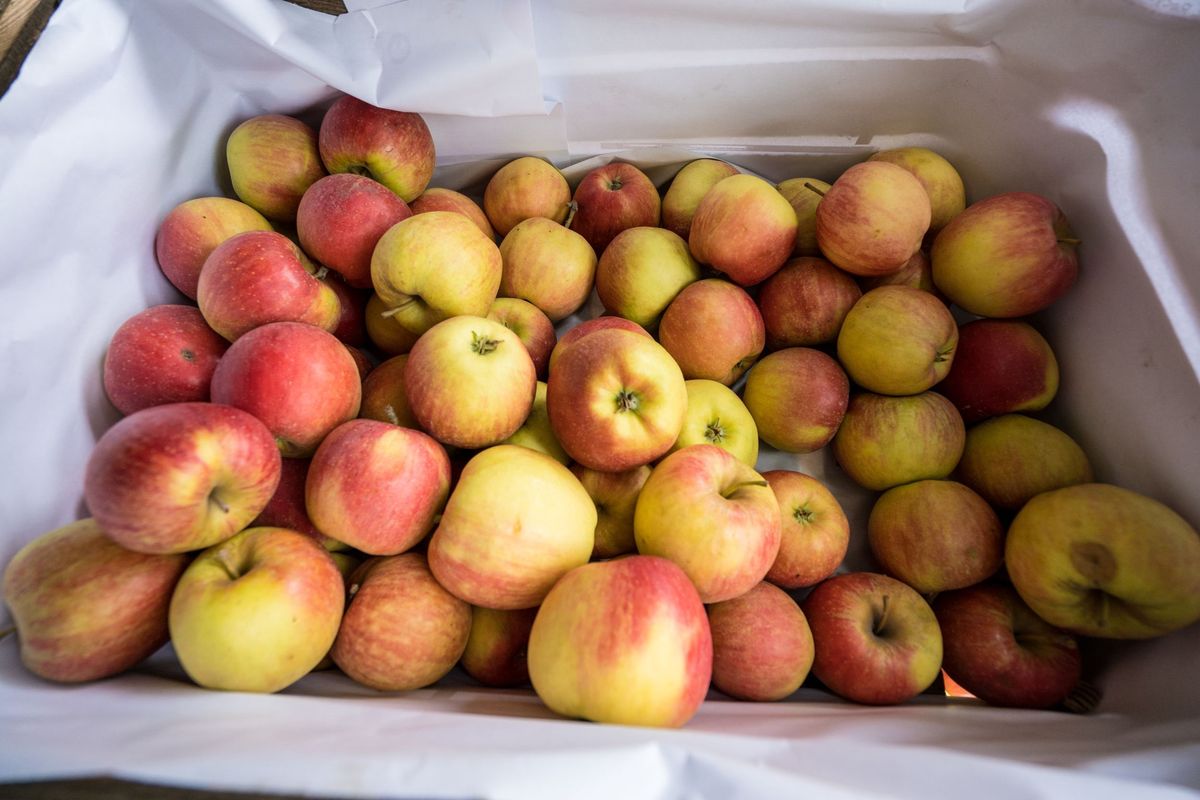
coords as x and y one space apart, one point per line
367 446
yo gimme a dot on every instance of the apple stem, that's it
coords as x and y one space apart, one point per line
812 188
216 500
229 570
733 489
572 207
4 634
881 623
1069 241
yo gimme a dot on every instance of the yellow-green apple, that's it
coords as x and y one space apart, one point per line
591 326
341 218
1000 651
762 647
873 218
1012 458
615 495
897 340
525 188
286 508
496 647
797 397
641 271
805 195
258 277
612 198
383 396
935 535
548 265
298 380
1100 560
815 533
470 382
351 328
716 415
805 302
272 160
434 266
713 330
86 608
165 354
180 477
917 273
623 641
1007 256
193 229
687 188
877 641
401 630
536 433
437 199
393 147
385 331
885 441
516 522
257 612
712 515
943 184
532 327
1000 366
744 228
616 399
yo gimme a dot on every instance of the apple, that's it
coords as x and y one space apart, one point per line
351 328
616 400
744 228
385 331
641 271
897 340
714 516
713 330
717 416
805 195
298 380
943 184
815 533
536 433
383 396
341 218
873 218
272 160
886 441
687 188
805 302
612 198
257 612
347 563
797 397
548 265
623 641
877 641
615 495
496 646
435 199
1000 366
525 188
286 508
1099 560
917 273
532 327
1001 652
393 147
86 608
1007 256
762 647
361 361
180 477
193 229
591 326
516 522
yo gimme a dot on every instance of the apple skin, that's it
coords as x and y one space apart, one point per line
393 147
287 509
532 327
165 354
873 218
1010 255
548 265
1000 651
383 395
180 477
897 340
536 432
612 198
401 630
886 441
436 199
916 273
943 184
1000 366
591 326
258 277
623 641
805 303
805 195
1099 560
386 332
713 330
616 400
815 533
1012 458
797 397
351 328
193 229
257 612
525 188
341 218
86 608
935 536
712 515
762 647
615 495
641 271
717 416
496 647
877 641
687 188
516 522
744 228
272 160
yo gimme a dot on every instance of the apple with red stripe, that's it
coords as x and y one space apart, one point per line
193 229
497 646
641 271
713 330
762 647
437 199
615 495
1000 366
687 189
272 160
611 199
815 533
393 147
805 303
797 397
526 188
744 228
548 265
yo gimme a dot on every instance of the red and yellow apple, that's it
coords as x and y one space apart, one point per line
805 195
437 199
612 198
762 647
815 532
744 228
641 271
615 495
873 218
193 229
548 265
687 188
717 416
1000 366
797 397
525 188
943 184
532 327
805 302
383 396
713 330
495 654
272 161
393 147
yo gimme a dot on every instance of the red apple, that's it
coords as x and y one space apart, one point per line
496 646
525 188
383 396
687 188
641 271
435 199
713 330
762 647
805 302
273 160
591 326
1013 458
744 228
351 327
532 327
797 397
615 495
193 229
815 533
393 147
548 265
362 361
286 508
1000 366
612 198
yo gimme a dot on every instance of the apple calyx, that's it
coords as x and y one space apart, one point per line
943 355
628 400
1083 699
187 354
715 432
812 188
881 622
803 515
321 273
614 183
482 345
732 490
